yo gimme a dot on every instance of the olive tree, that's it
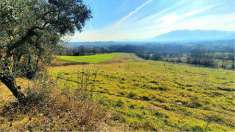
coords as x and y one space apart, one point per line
29 29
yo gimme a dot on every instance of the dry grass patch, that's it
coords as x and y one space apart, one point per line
50 109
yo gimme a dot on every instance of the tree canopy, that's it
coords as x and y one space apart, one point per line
29 29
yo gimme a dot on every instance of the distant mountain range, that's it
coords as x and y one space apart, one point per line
194 35
178 36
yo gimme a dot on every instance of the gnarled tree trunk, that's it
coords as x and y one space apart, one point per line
10 82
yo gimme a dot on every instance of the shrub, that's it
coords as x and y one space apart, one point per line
52 109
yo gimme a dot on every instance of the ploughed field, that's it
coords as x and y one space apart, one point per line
153 95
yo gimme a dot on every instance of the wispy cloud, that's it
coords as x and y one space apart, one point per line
175 18
123 19
181 14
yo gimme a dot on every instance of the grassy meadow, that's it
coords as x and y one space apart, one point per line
138 94
155 95
98 58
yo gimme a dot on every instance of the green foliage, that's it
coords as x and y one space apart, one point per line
29 31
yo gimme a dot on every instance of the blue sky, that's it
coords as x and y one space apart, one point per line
133 20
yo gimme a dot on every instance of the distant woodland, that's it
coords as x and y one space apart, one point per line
217 54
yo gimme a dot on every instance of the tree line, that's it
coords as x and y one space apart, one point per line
217 54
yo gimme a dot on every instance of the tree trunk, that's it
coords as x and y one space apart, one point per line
10 82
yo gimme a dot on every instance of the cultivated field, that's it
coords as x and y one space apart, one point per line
154 95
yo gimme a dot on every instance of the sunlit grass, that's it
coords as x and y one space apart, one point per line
160 95
90 58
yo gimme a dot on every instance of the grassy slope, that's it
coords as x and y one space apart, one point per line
160 95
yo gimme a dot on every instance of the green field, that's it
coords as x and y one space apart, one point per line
157 95
99 58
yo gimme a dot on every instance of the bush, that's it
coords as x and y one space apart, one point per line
52 109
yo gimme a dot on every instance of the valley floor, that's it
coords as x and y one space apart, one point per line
158 95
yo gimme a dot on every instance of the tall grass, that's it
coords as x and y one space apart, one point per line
48 108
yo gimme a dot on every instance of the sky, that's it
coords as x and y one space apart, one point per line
138 20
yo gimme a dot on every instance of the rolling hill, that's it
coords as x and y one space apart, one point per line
139 95
155 95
